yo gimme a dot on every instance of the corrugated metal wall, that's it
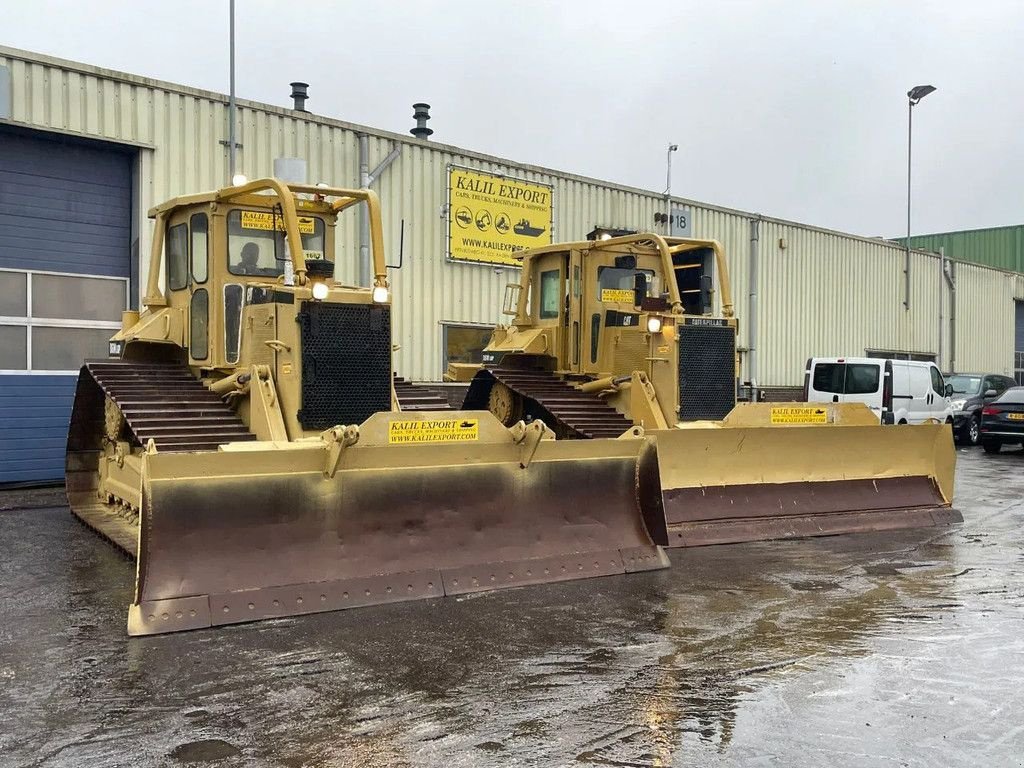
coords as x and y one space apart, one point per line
999 247
985 318
825 293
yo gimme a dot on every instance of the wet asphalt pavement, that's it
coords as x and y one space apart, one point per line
868 650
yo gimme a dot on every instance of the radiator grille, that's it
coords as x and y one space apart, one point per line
707 371
631 350
346 363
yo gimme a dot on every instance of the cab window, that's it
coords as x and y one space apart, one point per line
614 283
198 227
550 293
256 242
177 257
199 320
938 385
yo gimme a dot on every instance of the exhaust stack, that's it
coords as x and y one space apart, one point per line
421 112
299 95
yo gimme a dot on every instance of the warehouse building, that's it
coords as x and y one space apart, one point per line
85 152
998 247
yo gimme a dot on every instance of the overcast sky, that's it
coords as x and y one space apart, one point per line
795 108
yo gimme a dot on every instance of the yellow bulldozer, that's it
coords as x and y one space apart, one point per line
618 334
245 445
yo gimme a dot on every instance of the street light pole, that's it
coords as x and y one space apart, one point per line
914 95
231 96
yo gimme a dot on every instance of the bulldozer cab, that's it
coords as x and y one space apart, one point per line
246 276
600 299
215 254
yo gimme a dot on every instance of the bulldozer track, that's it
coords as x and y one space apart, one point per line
416 397
162 402
167 404
567 410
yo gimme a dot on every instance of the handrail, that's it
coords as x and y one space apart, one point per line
284 193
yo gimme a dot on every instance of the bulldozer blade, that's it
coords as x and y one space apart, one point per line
746 480
261 530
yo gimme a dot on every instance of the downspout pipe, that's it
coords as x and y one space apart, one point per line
364 216
755 242
942 298
949 272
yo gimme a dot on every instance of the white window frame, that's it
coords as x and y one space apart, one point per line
30 321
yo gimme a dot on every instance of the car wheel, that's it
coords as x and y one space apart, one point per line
973 431
991 447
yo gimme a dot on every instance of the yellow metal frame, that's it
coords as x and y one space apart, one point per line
284 193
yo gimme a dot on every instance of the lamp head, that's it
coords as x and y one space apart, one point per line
918 92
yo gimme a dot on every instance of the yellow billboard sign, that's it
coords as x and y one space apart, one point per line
263 220
491 217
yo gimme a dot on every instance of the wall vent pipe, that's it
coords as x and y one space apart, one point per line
300 92
421 112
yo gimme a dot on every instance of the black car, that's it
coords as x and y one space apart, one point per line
1002 421
971 391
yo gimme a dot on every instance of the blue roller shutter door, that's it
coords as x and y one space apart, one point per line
1018 344
65 228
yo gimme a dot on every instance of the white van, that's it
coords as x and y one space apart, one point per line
897 391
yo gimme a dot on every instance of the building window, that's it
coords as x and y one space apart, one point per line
464 343
923 357
51 322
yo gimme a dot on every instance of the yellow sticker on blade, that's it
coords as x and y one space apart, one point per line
799 416
263 220
286 367
434 431
617 294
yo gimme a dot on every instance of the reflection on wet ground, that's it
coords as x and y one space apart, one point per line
896 649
